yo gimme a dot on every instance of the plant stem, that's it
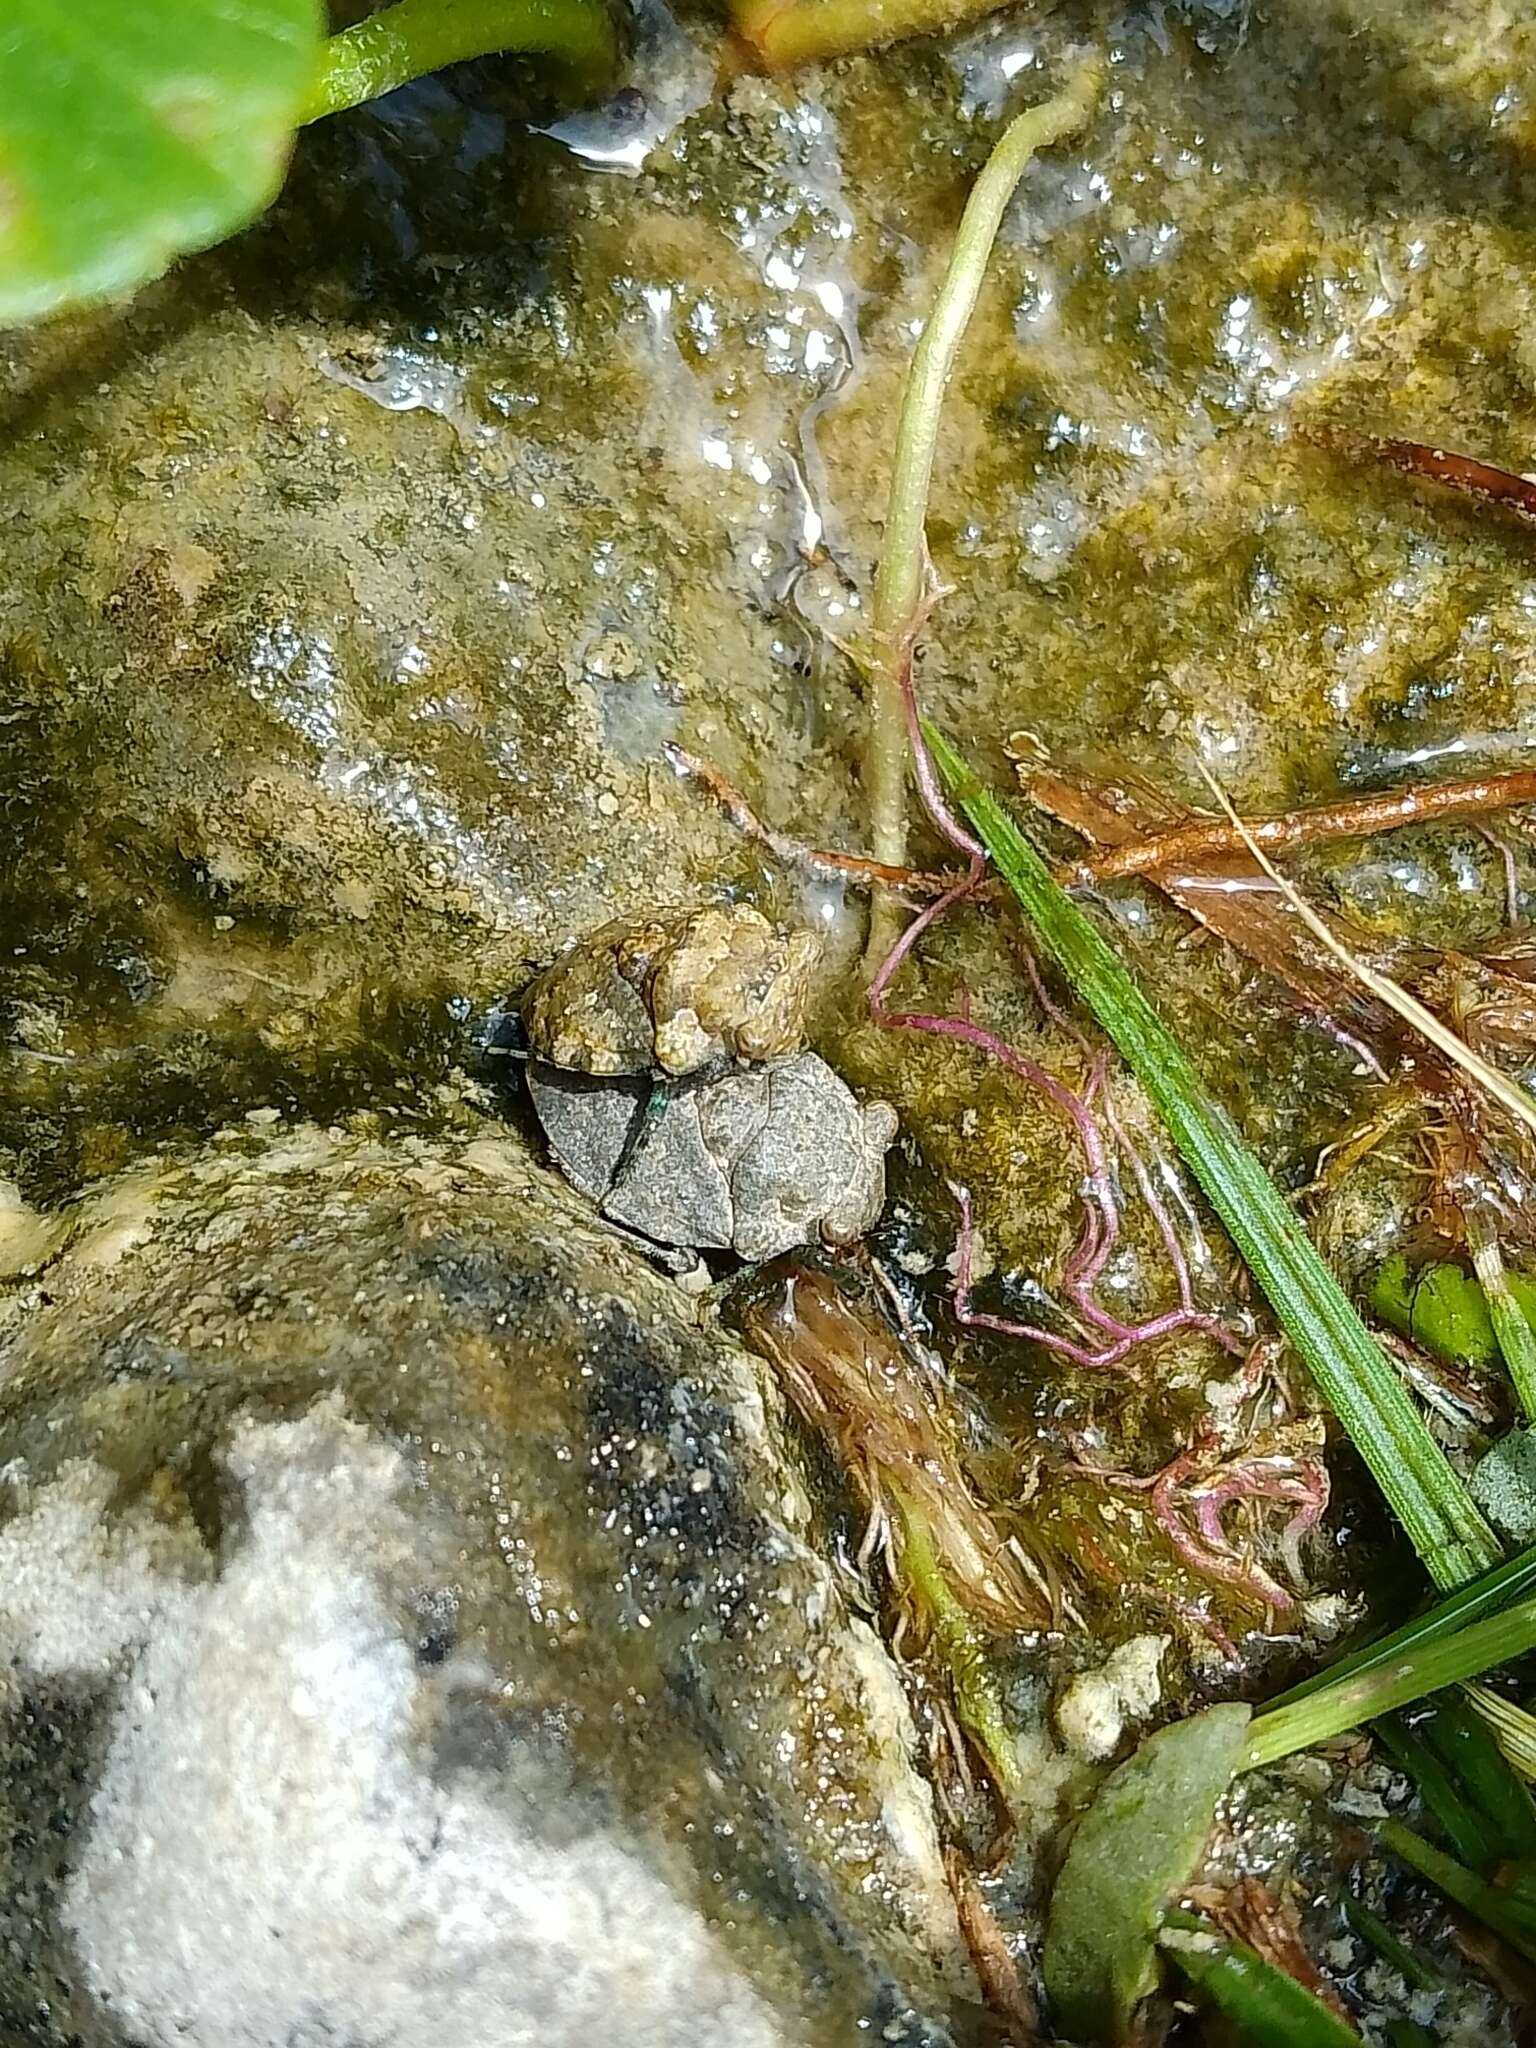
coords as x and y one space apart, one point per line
959 1646
1517 1340
1472 1603
416 37
1436 1511
785 33
900 584
1383 1688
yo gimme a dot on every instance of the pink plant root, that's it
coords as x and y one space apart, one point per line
1104 1341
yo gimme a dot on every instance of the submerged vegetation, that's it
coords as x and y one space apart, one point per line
1138 1849
965 1565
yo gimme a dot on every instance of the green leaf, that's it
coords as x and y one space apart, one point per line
1134 1848
132 131
1268 2007
1442 1308
1439 1517
1509 1915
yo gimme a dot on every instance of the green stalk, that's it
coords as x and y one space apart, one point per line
1483 1900
1380 1690
1489 1594
959 1647
1517 1340
416 37
900 583
1439 1516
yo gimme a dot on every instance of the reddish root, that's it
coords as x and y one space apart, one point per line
1101 1223
1190 1510
856 868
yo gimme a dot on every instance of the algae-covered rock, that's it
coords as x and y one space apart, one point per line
409 1635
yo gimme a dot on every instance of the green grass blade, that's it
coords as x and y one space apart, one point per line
1483 1900
1415 1971
1463 1826
1438 1515
1268 2007
1489 1782
1486 1595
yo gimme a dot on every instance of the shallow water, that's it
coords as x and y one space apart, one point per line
356 576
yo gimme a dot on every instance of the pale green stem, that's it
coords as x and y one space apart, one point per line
900 585
416 37
1517 1340
959 1647
1334 1709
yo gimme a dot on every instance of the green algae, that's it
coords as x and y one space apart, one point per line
235 580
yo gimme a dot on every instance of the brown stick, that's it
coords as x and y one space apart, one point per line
1189 846
997 1972
851 867
1462 473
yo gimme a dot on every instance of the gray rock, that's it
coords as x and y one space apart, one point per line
408 1635
754 1160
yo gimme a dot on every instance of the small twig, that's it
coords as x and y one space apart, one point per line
795 853
1193 845
1504 1091
1462 473
997 1969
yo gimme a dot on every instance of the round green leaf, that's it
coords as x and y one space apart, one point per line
134 130
1134 1848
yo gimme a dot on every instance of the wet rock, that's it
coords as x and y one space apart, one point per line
408 1634
756 1160
673 995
